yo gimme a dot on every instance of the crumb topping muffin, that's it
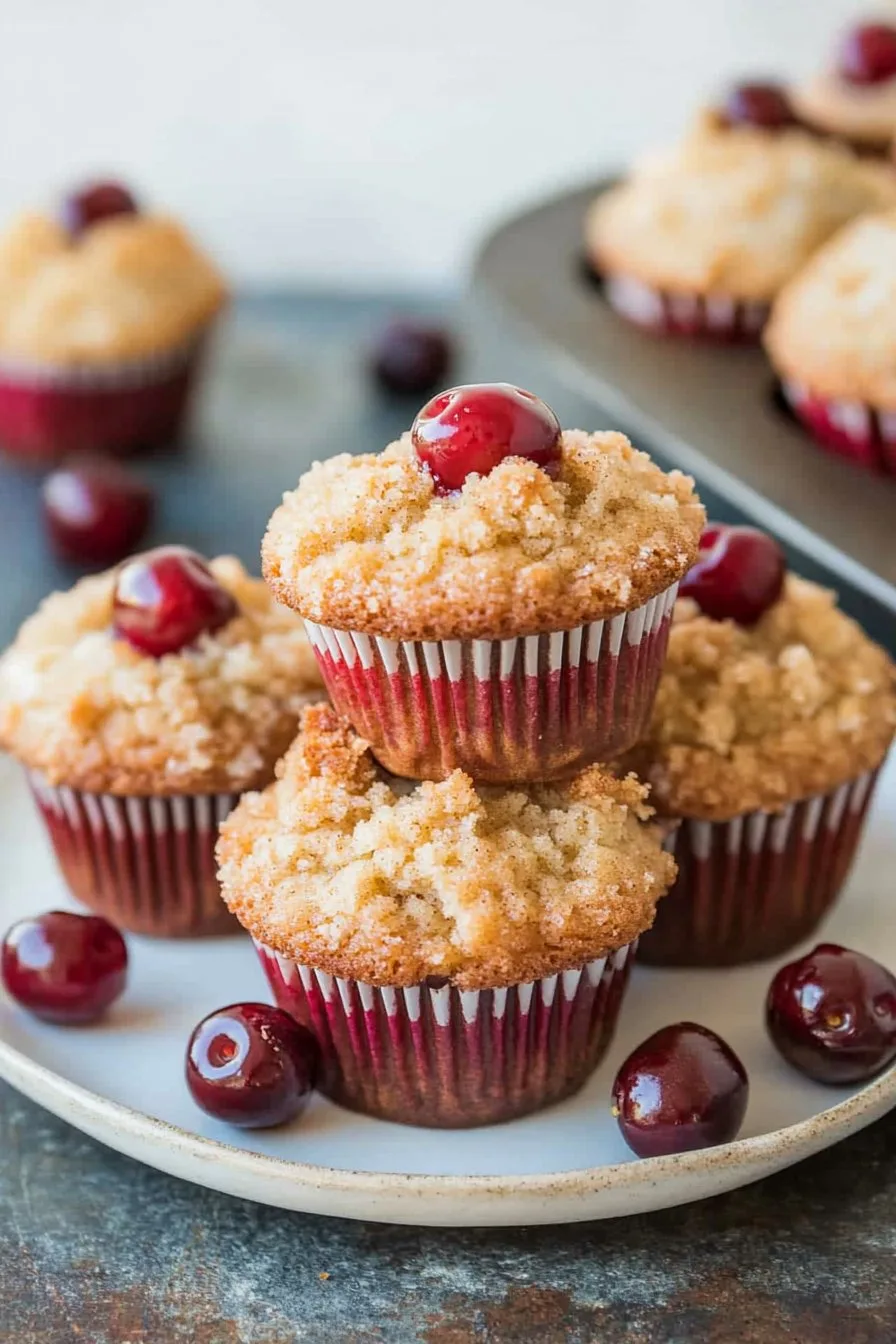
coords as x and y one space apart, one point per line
833 326
87 710
864 114
750 719
732 211
128 288
342 868
365 543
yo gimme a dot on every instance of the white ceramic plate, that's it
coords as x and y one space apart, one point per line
122 1082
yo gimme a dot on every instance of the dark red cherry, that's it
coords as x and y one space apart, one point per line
471 429
409 357
738 574
764 105
867 54
683 1088
251 1065
64 967
832 1015
95 202
166 598
95 512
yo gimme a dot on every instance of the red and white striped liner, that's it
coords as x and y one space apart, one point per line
850 428
713 316
753 887
147 864
448 1058
537 707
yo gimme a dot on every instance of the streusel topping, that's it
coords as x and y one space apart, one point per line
365 544
87 710
750 719
865 113
130 287
341 868
833 328
732 211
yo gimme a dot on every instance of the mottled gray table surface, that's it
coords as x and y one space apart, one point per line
97 1249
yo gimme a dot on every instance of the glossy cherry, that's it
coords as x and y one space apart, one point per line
832 1015
766 106
166 598
95 512
474 428
95 202
738 574
409 357
867 54
683 1088
251 1065
64 967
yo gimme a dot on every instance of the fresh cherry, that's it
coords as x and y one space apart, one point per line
867 54
251 1065
64 967
738 574
166 598
471 429
832 1015
409 357
766 106
95 202
683 1088
95 512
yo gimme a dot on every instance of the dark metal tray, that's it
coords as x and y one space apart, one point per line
708 409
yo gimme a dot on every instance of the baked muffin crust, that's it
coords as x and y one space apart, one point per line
130 288
338 867
862 113
833 327
88 711
732 212
365 544
755 719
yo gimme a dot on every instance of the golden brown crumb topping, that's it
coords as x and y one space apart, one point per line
865 113
385 882
87 710
750 719
364 544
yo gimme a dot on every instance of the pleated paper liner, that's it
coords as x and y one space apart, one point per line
851 429
713 317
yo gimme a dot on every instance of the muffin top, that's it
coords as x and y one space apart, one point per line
862 113
338 866
366 543
833 327
732 211
127 288
87 710
756 718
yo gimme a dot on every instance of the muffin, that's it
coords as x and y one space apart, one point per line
832 340
488 593
141 704
459 950
104 311
854 98
767 735
698 240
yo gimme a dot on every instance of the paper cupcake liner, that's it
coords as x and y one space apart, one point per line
537 707
147 864
712 316
753 887
451 1059
51 412
850 428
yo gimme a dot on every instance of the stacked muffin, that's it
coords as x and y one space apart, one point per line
443 881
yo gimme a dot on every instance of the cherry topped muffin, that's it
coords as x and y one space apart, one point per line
103 312
773 716
854 98
699 239
142 703
459 950
490 592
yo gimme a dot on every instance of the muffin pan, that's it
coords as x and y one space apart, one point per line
711 410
